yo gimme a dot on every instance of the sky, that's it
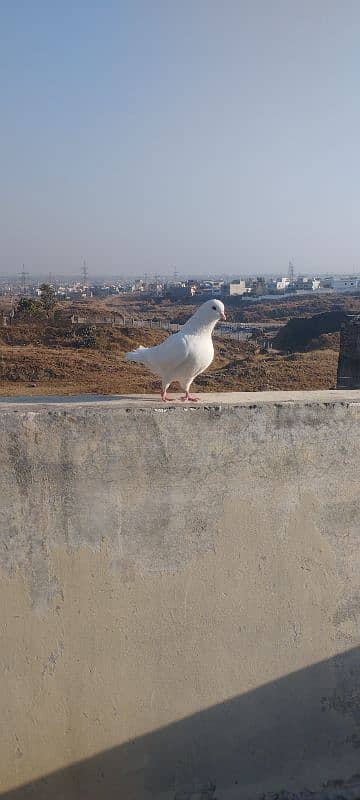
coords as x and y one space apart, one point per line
210 136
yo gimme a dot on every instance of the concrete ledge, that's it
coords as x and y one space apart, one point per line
206 399
180 595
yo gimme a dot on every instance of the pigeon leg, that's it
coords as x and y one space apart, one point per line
164 396
191 398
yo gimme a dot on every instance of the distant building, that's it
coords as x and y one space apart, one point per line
155 289
137 286
304 282
346 284
210 288
237 287
282 284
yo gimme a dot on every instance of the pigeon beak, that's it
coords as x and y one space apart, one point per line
223 316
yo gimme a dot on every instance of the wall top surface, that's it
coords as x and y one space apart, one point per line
148 401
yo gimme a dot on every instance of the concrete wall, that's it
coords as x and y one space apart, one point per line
180 596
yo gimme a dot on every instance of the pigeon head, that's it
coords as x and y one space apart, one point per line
213 310
206 316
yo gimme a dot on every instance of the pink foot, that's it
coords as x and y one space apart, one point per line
191 398
165 398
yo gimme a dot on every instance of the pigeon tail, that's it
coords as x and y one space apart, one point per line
136 355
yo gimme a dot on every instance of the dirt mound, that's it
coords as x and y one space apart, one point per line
309 333
61 333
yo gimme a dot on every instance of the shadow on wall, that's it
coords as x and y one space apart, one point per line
298 731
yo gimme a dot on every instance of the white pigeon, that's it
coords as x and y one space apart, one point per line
184 355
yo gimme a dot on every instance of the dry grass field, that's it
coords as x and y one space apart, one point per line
52 356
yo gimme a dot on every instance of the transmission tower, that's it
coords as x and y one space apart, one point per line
23 275
291 272
85 273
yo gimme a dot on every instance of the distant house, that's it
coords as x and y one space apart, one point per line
306 283
282 284
346 284
237 287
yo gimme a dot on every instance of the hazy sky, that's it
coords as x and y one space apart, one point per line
211 136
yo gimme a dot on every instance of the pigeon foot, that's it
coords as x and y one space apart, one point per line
166 399
191 398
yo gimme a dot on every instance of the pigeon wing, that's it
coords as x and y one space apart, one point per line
167 357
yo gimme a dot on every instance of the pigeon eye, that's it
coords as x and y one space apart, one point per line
214 308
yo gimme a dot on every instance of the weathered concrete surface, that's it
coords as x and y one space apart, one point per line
180 595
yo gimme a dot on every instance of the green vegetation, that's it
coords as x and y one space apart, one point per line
44 305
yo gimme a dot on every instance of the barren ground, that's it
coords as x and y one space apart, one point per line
52 356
